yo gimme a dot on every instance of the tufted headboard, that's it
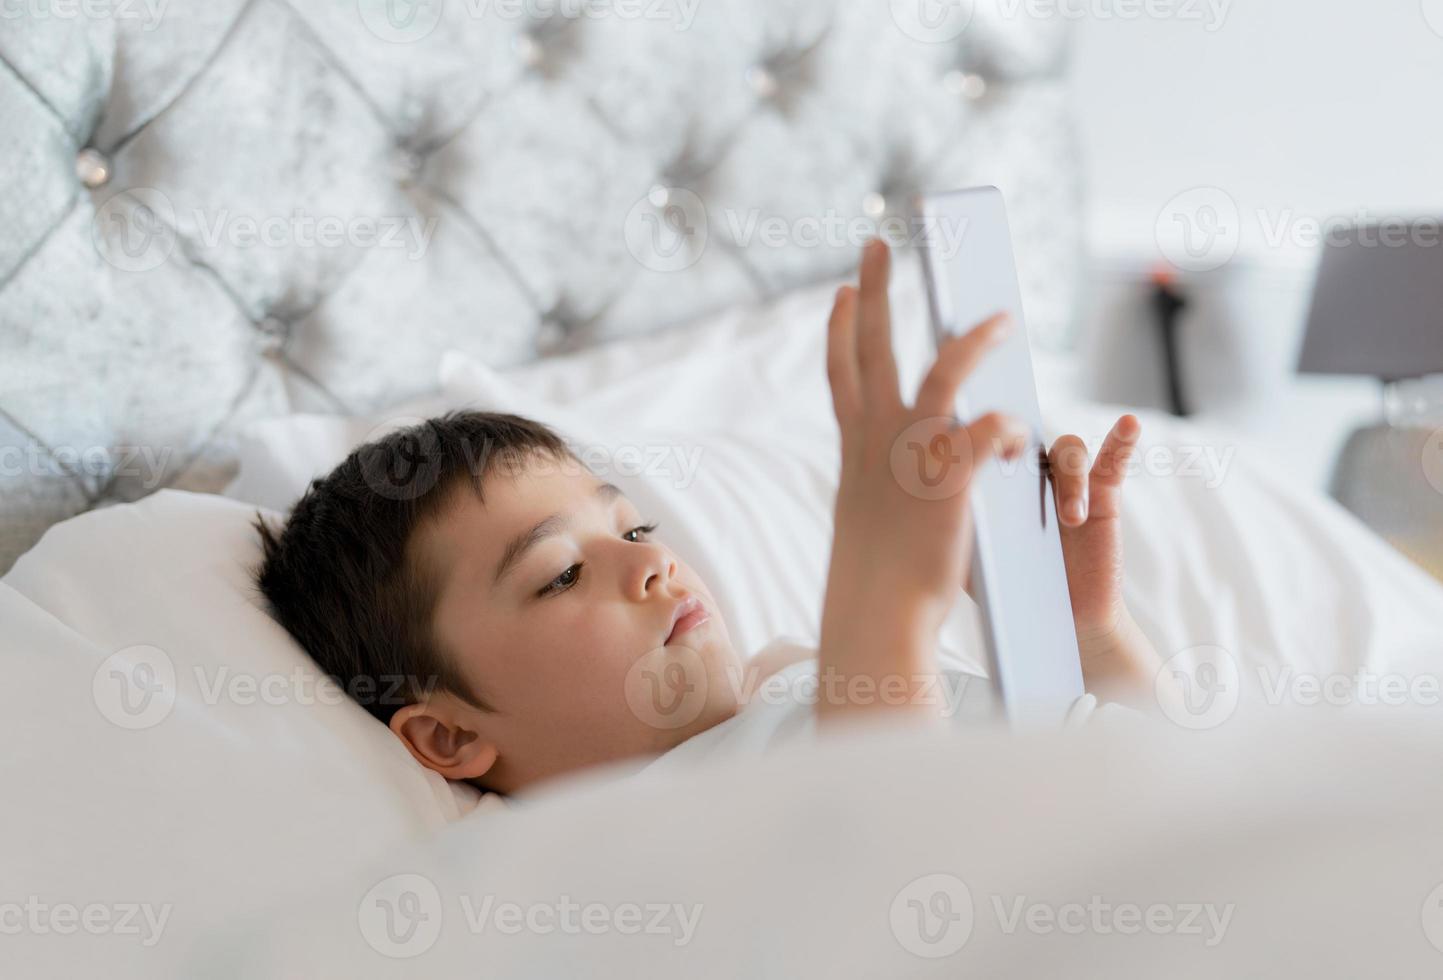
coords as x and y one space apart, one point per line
217 210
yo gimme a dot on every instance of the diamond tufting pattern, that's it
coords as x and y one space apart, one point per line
217 210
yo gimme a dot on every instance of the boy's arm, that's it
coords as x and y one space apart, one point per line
900 540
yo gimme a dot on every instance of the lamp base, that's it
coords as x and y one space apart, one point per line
1391 477
1414 401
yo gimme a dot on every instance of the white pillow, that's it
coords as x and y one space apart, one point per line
167 741
280 456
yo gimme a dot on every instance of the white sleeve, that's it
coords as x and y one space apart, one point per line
1086 710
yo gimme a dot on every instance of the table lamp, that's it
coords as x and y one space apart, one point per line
1377 310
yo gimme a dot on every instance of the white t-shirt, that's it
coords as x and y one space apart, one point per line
783 708
780 709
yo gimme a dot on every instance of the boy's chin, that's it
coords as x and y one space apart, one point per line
684 687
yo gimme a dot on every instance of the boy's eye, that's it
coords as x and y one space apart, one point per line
563 581
643 529
570 577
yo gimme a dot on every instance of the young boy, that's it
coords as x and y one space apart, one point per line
515 596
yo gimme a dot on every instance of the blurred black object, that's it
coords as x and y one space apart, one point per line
1168 303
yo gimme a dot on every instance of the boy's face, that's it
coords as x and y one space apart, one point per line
565 638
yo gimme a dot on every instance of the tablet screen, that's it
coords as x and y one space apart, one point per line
1018 571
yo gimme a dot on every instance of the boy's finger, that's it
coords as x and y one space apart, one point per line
956 359
842 372
994 434
1110 468
1067 468
877 365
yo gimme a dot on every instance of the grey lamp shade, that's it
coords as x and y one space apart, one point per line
1377 305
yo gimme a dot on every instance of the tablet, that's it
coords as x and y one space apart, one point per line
1017 570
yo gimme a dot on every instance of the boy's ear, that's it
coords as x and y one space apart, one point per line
442 745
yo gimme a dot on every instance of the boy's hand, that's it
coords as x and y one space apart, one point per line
1117 660
1089 512
901 540
902 500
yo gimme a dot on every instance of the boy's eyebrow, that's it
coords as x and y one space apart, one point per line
543 529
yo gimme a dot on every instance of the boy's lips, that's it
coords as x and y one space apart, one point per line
688 614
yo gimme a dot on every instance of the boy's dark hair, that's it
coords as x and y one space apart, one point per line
341 576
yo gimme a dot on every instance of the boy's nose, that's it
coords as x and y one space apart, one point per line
657 570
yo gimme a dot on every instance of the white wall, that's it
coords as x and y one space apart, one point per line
1319 106
1301 112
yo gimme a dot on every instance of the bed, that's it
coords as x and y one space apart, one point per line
186 796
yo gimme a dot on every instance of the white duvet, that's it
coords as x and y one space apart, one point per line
261 836
1308 851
